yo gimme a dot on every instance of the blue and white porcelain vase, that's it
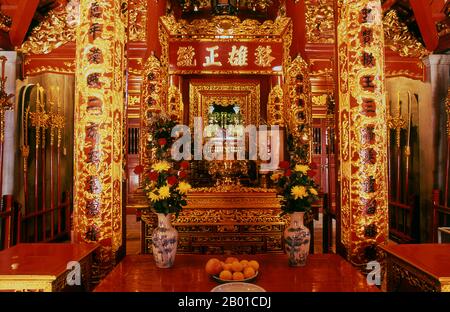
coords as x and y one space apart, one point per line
297 240
165 241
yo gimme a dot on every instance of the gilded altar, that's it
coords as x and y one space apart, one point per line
229 73
226 221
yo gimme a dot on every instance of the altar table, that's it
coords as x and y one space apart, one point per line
323 272
43 267
418 267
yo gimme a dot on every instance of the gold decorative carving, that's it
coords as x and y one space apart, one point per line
199 93
5 22
275 106
322 72
98 128
67 68
398 38
250 218
362 128
50 34
225 25
224 72
255 5
135 71
151 102
5 98
320 100
298 110
186 56
134 100
403 73
319 17
137 24
175 103
401 272
231 188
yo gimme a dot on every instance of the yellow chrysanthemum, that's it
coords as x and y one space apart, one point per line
183 187
298 192
153 197
164 192
161 166
301 168
313 191
276 176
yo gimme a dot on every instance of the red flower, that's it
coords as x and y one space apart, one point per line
172 180
174 117
138 169
182 174
313 165
288 173
285 165
311 173
162 141
184 164
153 176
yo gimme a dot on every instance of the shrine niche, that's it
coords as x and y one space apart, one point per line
244 93
232 74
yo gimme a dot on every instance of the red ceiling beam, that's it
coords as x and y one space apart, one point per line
21 20
423 11
387 5
296 11
155 9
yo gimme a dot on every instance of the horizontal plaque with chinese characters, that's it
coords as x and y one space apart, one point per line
261 57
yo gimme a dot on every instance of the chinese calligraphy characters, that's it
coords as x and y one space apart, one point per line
211 59
215 56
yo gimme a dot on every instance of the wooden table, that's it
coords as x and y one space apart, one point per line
43 267
418 267
323 272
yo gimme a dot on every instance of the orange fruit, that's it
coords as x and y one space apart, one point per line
254 264
213 266
226 275
237 266
231 260
244 263
227 266
237 276
249 272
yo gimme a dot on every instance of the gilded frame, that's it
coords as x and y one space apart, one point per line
246 93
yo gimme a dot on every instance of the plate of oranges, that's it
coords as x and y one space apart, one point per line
232 270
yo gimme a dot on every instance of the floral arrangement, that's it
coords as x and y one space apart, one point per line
294 182
164 182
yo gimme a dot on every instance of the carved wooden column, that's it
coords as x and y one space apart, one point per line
362 128
99 107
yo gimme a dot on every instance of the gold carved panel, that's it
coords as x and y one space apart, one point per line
298 111
320 25
275 106
245 93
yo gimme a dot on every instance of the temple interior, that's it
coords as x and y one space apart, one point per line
194 145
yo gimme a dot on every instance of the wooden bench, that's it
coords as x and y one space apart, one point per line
418 267
44 267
